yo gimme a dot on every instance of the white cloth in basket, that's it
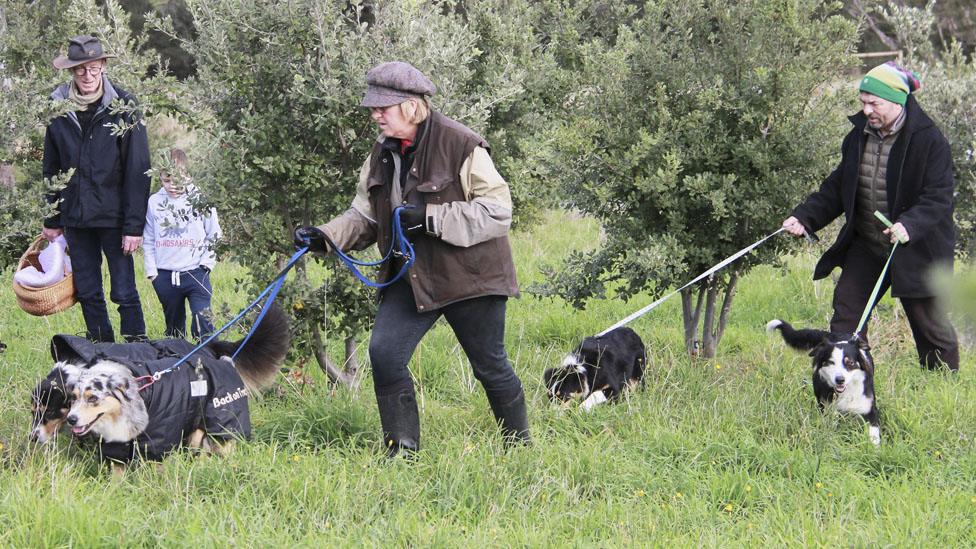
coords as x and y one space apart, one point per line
55 264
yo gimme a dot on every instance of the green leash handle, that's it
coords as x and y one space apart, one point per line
877 285
888 224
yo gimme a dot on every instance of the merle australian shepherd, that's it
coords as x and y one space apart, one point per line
96 390
843 371
600 369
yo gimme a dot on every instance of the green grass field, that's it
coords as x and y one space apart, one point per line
716 453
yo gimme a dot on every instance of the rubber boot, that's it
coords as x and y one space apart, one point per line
511 416
400 421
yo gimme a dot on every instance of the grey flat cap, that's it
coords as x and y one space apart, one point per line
81 49
393 83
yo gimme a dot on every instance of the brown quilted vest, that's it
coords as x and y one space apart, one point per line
442 273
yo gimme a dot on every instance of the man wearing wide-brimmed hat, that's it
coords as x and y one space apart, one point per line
894 160
102 209
459 214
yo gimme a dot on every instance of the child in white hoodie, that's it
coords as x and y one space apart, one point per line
178 242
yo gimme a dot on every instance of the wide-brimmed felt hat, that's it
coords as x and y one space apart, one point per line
393 83
81 50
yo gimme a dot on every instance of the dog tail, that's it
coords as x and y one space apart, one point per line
260 360
803 340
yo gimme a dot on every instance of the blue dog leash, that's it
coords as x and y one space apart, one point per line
400 246
271 292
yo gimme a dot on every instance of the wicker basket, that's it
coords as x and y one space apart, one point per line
49 299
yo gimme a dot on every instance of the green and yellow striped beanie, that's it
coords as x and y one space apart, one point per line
891 82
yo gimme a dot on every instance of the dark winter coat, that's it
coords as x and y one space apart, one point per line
920 190
109 188
173 413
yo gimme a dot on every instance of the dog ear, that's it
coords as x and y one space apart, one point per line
863 345
119 387
867 364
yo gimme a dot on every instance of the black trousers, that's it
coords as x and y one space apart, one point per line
86 247
478 323
935 338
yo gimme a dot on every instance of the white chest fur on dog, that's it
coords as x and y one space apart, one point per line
852 400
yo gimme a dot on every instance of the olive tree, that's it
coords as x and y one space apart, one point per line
693 135
280 85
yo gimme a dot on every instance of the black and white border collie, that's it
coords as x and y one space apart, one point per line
843 371
600 369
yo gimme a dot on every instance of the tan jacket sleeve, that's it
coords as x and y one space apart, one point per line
487 211
354 229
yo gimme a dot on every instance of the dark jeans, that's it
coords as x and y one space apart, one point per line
478 323
194 287
86 247
935 339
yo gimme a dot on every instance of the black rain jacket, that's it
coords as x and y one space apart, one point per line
109 188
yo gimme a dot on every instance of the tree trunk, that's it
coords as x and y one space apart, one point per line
708 343
712 328
712 332
691 317
348 375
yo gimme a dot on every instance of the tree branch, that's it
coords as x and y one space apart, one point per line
859 11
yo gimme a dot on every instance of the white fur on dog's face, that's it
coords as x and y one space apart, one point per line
837 372
107 404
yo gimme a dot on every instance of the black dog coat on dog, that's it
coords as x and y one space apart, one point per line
221 411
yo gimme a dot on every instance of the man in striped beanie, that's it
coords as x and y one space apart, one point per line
897 162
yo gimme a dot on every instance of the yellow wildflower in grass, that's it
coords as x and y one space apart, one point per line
938 454
973 499
298 306
640 493
295 458
679 495
728 507
819 485
718 366
1 446
830 494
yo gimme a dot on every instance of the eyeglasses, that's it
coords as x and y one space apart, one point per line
93 70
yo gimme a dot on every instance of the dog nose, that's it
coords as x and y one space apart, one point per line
839 380
72 419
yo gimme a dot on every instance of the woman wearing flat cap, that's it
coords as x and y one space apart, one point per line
459 221
102 209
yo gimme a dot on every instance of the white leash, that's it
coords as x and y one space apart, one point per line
705 274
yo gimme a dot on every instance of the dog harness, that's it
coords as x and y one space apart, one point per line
177 404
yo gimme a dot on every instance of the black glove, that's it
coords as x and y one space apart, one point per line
414 220
312 237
